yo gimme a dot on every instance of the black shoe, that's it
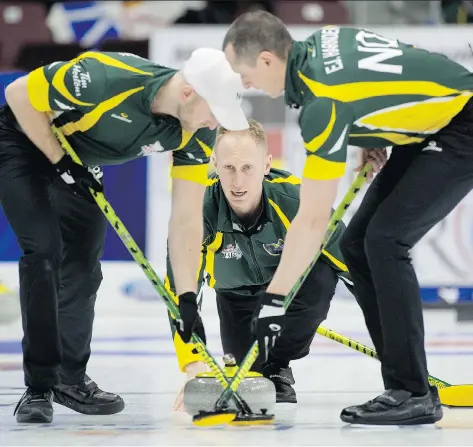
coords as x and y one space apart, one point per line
35 407
395 407
436 400
283 381
88 398
435 397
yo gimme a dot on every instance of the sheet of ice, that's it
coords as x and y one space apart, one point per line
133 355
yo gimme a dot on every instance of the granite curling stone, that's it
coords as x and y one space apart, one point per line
201 393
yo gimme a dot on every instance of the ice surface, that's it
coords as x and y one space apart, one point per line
133 355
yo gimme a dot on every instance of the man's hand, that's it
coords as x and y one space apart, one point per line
377 158
268 324
78 177
190 318
192 369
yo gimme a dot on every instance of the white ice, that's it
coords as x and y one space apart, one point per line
132 354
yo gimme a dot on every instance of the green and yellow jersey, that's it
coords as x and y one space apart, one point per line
244 260
102 103
356 87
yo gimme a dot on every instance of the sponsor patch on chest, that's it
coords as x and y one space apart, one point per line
80 78
232 252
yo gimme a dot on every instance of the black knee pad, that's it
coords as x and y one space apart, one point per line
39 278
37 264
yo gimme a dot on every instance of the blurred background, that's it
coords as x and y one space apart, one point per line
37 33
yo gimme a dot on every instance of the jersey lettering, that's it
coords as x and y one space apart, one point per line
330 50
383 49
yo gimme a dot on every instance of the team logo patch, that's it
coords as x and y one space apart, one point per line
232 252
274 249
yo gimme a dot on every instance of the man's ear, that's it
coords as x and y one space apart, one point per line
267 164
213 158
185 93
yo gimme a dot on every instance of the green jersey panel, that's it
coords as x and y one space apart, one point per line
356 87
102 104
243 261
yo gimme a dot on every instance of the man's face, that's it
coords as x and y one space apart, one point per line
194 112
267 74
241 164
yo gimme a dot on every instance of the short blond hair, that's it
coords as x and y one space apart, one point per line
256 132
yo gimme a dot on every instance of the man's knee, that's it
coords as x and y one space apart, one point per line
45 246
84 269
382 241
351 243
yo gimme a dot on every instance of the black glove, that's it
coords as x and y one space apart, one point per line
190 318
268 322
79 178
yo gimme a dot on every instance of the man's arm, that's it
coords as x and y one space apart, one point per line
34 123
189 179
325 133
53 88
186 353
185 233
305 235
188 358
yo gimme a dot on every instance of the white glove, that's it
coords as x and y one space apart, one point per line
192 369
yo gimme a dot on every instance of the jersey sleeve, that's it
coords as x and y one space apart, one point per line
79 84
325 127
191 161
186 353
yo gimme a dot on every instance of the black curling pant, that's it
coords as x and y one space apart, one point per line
62 238
306 312
418 187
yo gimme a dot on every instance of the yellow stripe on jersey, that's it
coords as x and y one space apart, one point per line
317 142
392 137
210 258
38 90
108 60
200 270
285 221
207 150
423 117
90 119
212 181
292 179
317 168
192 173
355 91
335 261
59 83
185 138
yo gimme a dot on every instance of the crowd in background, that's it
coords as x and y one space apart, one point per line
34 33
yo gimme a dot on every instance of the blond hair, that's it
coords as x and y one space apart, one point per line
256 132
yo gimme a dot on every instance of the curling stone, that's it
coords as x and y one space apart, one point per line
201 393
9 305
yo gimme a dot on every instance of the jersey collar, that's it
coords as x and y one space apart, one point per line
153 85
293 95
